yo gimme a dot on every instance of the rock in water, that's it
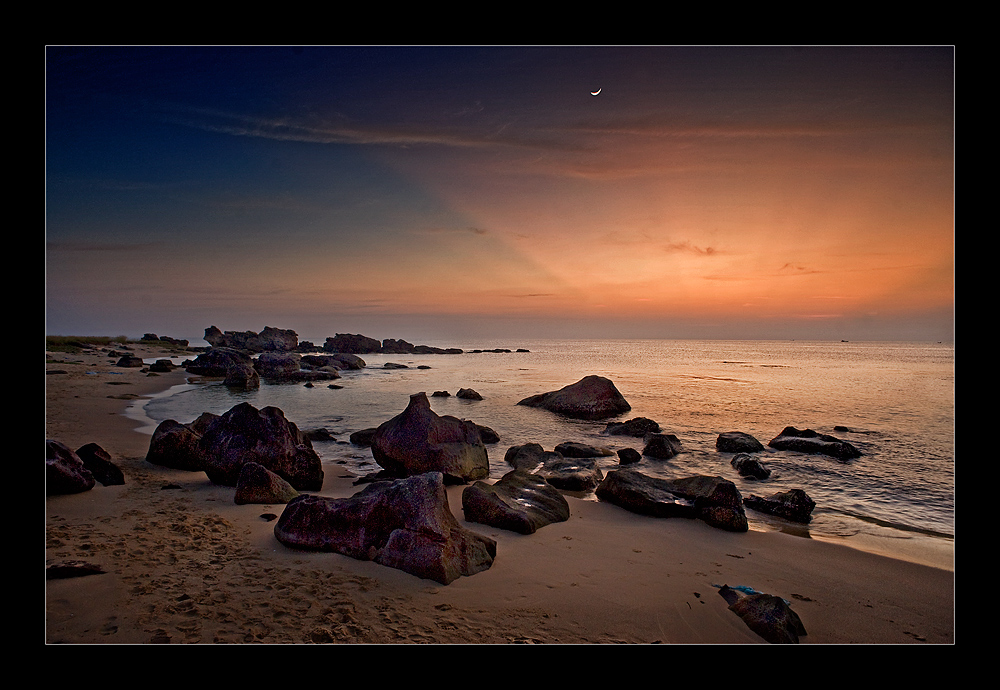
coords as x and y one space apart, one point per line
592 397
809 441
520 502
737 442
405 524
418 440
245 434
794 504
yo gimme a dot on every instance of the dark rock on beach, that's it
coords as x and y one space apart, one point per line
418 440
520 502
257 484
749 467
794 505
570 474
405 524
98 462
217 362
809 441
737 442
767 615
592 397
714 500
177 446
129 361
64 470
572 449
629 456
245 434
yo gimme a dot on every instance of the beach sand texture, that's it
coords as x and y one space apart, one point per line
184 564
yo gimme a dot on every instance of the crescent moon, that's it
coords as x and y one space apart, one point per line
594 93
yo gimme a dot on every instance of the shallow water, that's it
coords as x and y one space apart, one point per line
898 400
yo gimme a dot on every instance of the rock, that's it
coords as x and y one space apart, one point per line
337 360
571 474
363 437
628 456
217 362
282 366
177 446
712 499
570 449
257 484
98 462
68 569
592 397
528 456
268 340
320 434
809 441
130 361
520 502
405 524
352 344
245 434
393 365
662 446
468 394
64 471
749 467
793 504
440 394
396 347
162 366
767 615
638 427
242 375
737 442
417 441
487 434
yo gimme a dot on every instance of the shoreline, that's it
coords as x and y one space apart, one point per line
184 564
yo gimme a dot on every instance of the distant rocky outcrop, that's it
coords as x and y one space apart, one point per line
809 441
268 340
64 470
352 344
592 397
714 500
337 360
164 339
245 434
283 367
519 502
794 505
418 440
737 442
405 524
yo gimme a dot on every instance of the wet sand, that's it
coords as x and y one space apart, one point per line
184 564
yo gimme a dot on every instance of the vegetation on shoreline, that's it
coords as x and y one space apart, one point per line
79 343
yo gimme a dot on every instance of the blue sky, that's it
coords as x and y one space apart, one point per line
439 192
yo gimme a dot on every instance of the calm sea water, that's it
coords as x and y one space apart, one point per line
897 398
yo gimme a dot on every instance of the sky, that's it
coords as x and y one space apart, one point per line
488 192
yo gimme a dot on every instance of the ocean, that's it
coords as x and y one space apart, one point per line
896 398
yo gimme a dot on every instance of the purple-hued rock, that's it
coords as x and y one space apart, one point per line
257 484
64 470
405 524
519 501
592 397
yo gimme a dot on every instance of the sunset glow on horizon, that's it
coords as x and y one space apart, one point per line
704 192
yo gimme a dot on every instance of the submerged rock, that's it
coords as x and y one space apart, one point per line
662 446
749 467
405 524
637 427
809 441
520 502
592 397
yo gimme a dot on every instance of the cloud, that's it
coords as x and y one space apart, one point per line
686 246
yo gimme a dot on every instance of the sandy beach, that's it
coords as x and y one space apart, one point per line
184 564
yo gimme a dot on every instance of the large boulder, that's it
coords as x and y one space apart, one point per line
268 340
64 470
218 361
520 502
245 434
405 524
242 375
592 397
794 505
177 446
336 360
528 456
418 440
715 500
809 441
737 442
